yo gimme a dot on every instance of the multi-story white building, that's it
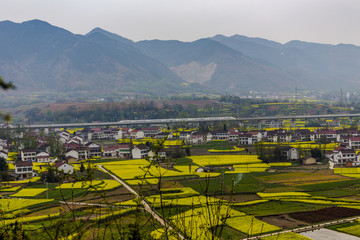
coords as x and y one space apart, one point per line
28 155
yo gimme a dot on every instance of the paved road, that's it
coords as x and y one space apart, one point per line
326 234
186 120
143 202
309 228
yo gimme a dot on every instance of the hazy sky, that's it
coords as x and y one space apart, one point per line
325 21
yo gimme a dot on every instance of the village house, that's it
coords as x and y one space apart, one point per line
86 134
77 139
94 150
279 136
64 167
28 155
196 138
302 135
256 136
245 139
233 135
111 133
24 169
290 153
161 154
184 136
164 135
124 150
354 142
329 134
71 156
151 131
140 151
64 136
97 134
219 135
43 157
111 151
124 133
344 140
137 134
345 156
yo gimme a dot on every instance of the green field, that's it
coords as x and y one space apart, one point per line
226 184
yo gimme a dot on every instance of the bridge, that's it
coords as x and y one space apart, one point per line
189 120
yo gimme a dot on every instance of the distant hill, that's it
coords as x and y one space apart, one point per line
215 65
38 56
111 35
321 66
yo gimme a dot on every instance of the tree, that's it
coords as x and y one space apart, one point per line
82 168
30 141
4 175
187 151
3 165
56 146
5 86
50 176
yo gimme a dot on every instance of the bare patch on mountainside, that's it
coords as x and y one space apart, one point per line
194 72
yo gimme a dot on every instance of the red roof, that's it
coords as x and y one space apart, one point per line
58 164
124 146
355 139
72 145
111 148
339 148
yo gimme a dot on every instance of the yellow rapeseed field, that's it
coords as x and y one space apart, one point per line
283 194
29 192
13 204
214 160
250 225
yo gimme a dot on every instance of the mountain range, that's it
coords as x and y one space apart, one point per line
38 56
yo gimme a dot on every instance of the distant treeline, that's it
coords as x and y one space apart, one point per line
226 106
127 111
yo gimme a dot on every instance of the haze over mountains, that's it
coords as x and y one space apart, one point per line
35 56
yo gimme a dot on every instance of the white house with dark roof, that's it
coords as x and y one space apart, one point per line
111 151
64 167
151 131
43 157
24 169
161 154
28 155
72 154
354 142
94 150
140 151
64 136
137 134
344 156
